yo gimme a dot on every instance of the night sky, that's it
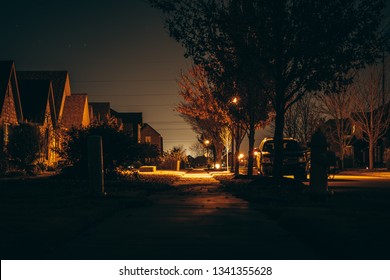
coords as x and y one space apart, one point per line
117 52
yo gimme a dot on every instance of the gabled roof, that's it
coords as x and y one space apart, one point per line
100 110
35 96
58 79
74 110
145 125
128 117
8 75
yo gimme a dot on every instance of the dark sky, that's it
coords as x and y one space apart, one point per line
115 51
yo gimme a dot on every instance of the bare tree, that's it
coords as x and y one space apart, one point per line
302 119
337 106
371 115
226 136
197 149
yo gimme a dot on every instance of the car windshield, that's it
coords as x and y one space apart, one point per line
288 146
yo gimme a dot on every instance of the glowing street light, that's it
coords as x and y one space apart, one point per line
206 145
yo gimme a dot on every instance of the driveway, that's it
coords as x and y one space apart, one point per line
195 221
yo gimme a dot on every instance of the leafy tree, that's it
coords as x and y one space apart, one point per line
178 153
148 153
170 158
201 109
275 52
118 147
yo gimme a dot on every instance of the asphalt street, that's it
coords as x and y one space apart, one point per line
199 221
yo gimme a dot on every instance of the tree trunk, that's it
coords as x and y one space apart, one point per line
237 153
251 138
278 143
227 156
232 151
371 155
218 155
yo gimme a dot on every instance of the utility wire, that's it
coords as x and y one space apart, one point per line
132 95
124 81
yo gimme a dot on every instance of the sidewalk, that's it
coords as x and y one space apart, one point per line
365 172
195 221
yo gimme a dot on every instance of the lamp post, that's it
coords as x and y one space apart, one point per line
236 137
234 134
206 144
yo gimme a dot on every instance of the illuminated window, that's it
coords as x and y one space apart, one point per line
148 139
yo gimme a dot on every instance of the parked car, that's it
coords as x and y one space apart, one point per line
294 158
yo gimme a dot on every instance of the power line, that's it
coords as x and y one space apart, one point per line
180 128
124 81
181 141
133 95
167 122
144 105
173 121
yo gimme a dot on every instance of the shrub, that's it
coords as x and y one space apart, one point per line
119 149
24 146
169 159
3 154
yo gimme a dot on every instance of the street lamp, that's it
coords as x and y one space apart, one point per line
206 144
236 133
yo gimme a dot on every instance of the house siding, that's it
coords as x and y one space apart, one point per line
67 92
86 120
150 136
8 112
48 155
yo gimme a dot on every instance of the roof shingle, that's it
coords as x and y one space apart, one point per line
58 79
74 110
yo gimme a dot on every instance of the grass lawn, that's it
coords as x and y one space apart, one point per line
342 225
37 214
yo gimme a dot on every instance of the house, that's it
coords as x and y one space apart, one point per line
99 112
37 100
10 105
150 136
380 120
60 84
131 123
76 111
356 153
